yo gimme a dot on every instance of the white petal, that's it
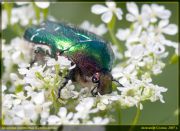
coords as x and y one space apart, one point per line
14 76
53 119
132 8
3 88
38 98
163 23
130 17
70 115
165 14
42 5
98 9
159 49
141 106
20 113
119 13
24 65
101 29
157 8
51 62
63 61
122 34
107 16
101 106
153 19
62 112
171 29
111 4
23 71
22 3
137 51
146 9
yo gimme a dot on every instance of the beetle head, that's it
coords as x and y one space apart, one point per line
104 81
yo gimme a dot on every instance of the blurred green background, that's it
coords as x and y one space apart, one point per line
152 113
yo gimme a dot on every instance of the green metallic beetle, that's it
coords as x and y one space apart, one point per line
92 55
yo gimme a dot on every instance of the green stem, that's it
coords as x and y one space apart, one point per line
136 118
37 11
111 26
45 13
8 8
118 108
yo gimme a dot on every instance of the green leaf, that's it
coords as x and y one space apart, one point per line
19 88
174 59
39 76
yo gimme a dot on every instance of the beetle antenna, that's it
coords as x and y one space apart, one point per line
119 84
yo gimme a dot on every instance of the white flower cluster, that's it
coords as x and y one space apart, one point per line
107 11
33 91
145 41
146 45
100 30
29 93
13 55
146 48
23 14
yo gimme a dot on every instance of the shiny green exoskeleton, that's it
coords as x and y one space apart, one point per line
92 55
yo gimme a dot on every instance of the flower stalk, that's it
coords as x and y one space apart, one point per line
111 26
136 118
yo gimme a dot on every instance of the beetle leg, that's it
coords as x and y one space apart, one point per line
92 91
67 78
62 86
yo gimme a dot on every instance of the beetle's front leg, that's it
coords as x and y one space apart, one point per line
70 76
92 91
62 86
39 55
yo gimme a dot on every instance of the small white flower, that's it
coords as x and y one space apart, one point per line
22 3
22 14
165 28
156 11
107 12
137 51
42 5
123 34
62 61
84 108
30 75
4 20
135 16
3 88
19 98
98 121
130 36
157 68
117 53
68 91
99 30
105 100
62 118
